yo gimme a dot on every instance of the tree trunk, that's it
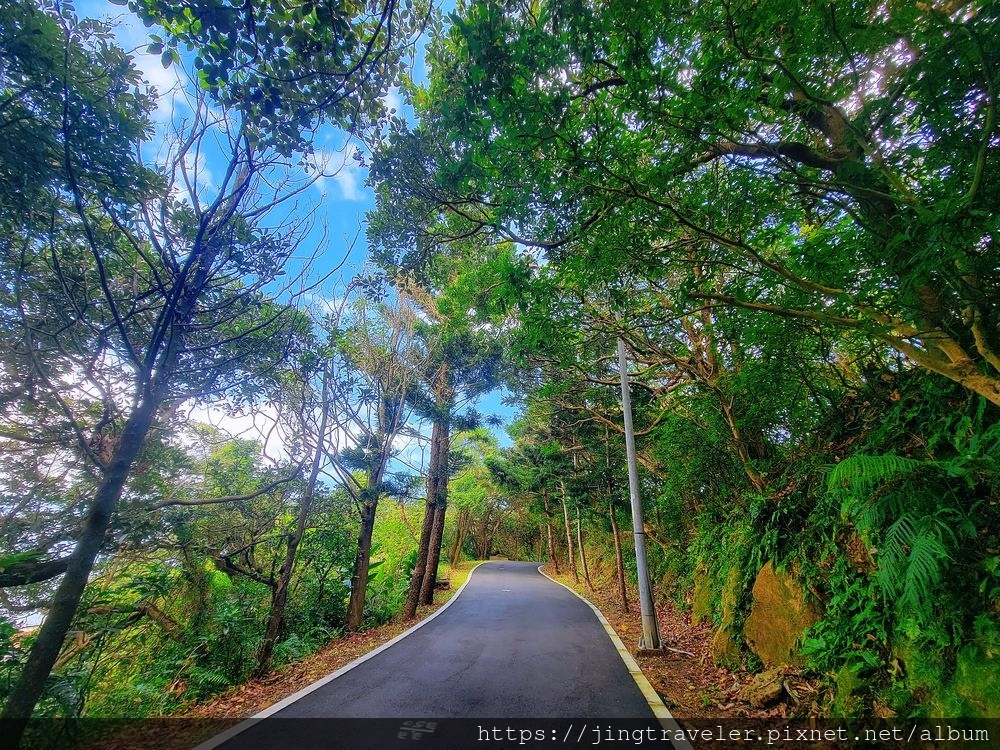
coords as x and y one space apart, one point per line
437 530
279 596
417 578
551 534
491 535
413 593
461 531
483 541
583 553
569 536
433 556
741 447
44 652
362 560
615 531
619 559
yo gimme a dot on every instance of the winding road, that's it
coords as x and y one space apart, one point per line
512 644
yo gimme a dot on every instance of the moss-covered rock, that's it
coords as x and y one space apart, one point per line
725 649
847 696
977 681
725 643
972 691
780 614
701 599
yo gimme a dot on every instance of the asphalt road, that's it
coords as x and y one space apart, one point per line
513 645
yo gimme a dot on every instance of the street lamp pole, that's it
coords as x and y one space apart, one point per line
650 629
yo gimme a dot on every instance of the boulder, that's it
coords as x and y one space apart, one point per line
780 614
701 599
765 689
725 646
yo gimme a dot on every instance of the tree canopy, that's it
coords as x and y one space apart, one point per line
785 212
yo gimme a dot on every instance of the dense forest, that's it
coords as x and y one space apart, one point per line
785 210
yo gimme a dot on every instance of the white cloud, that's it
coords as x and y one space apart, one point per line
327 305
167 82
340 168
134 38
260 425
350 180
393 100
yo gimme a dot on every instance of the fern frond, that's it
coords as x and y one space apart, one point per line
922 573
208 678
864 473
917 574
892 556
899 536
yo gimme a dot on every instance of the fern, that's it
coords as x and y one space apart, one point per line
920 571
64 695
892 557
866 473
917 526
208 681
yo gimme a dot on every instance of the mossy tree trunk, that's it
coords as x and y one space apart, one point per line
571 555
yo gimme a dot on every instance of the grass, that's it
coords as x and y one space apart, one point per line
253 696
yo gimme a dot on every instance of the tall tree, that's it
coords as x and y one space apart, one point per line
288 66
317 427
861 142
380 362
462 363
127 290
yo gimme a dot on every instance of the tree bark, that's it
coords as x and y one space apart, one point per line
461 531
583 554
42 657
362 561
440 506
21 574
619 558
483 541
615 531
550 533
569 536
417 578
433 556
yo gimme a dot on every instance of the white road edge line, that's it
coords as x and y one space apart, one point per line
219 739
666 719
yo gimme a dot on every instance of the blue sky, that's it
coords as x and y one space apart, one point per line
340 200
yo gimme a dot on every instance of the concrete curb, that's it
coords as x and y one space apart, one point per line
656 705
219 739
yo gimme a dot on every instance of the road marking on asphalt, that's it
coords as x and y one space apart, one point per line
656 705
219 739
